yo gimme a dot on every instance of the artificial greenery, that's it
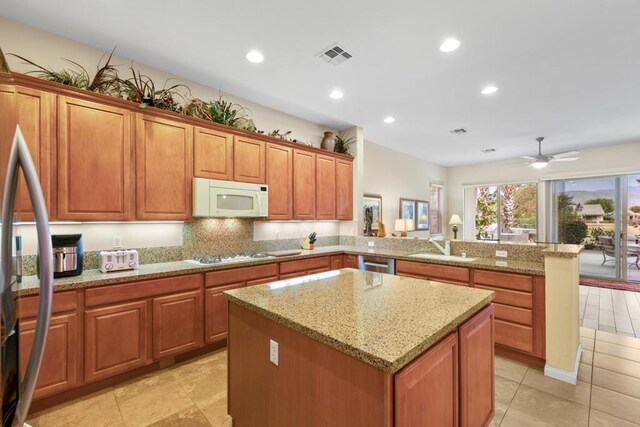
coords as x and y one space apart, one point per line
142 89
226 112
343 146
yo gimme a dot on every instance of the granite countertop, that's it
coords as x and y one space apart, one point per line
563 251
381 319
90 278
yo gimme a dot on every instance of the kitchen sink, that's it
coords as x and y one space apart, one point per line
444 257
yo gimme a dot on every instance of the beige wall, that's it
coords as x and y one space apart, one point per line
393 175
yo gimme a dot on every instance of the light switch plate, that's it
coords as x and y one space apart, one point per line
501 254
273 352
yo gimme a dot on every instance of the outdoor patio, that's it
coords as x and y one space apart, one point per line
610 310
591 265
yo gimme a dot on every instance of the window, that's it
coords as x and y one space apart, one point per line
437 204
506 212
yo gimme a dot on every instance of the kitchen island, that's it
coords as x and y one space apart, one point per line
347 348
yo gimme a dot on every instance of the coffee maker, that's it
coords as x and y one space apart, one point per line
67 255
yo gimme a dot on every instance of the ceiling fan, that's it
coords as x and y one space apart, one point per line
541 160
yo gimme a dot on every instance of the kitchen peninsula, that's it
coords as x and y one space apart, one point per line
348 347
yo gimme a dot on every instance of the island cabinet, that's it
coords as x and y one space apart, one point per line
325 187
164 168
217 282
95 154
304 267
304 184
279 177
36 117
249 160
344 189
62 361
212 154
130 325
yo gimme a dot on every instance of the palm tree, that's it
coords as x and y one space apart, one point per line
508 205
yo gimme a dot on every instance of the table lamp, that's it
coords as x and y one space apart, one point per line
404 225
455 221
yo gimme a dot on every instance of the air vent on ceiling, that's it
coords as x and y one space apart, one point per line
334 54
489 150
458 131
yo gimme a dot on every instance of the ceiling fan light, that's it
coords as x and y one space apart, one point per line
539 164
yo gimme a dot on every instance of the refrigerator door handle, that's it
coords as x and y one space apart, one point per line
20 157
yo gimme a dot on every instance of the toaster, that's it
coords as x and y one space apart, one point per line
126 259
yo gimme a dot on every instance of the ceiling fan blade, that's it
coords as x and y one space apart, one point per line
566 154
528 157
564 159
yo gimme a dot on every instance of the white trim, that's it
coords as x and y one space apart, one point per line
499 183
589 174
561 374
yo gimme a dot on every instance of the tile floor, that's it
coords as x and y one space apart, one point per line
194 393
610 310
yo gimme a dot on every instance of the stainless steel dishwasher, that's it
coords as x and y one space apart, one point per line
377 263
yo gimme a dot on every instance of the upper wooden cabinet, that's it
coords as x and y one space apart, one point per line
249 160
212 154
325 187
280 181
164 150
94 161
344 189
304 184
37 121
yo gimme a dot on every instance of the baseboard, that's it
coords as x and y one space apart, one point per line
562 375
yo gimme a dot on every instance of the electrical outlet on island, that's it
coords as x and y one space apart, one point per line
371 244
273 352
501 254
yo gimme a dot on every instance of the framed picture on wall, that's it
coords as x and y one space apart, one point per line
373 201
422 215
407 209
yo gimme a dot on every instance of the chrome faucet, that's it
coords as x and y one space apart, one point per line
447 247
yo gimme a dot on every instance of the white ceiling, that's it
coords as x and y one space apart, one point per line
566 69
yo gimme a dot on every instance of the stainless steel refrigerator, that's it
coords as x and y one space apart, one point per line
17 390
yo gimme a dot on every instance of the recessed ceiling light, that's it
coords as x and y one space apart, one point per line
336 94
255 57
449 45
489 150
389 119
488 90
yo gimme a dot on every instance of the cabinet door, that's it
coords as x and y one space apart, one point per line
36 118
212 154
94 161
477 370
177 323
249 160
59 369
351 261
304 184
337 262
344 189
426 390
280 181
216 312
163 168
325 187
116 339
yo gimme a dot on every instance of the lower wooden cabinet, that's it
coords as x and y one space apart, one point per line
177 323
437 272
303 267
116 339
337 262
350 261
216 307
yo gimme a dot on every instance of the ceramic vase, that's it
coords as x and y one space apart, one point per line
327 142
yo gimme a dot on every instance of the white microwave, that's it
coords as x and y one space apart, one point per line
215 198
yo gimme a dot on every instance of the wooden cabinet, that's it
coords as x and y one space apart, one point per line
279 177
94 161
216 307
437 272
177 323
60 369
477 370
116 339
325 187
212 154
337 262
36 116
304 184
304 267
163 168
426 391
249 160
344 189
351 261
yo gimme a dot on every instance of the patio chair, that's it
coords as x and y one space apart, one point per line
634 251
608 248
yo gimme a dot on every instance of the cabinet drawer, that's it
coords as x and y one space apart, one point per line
433 271
516 282
62 301
515 298
139 290
305 264
514 314
242 274
515 336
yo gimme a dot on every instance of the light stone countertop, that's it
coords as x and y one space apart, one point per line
90 278
383 320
